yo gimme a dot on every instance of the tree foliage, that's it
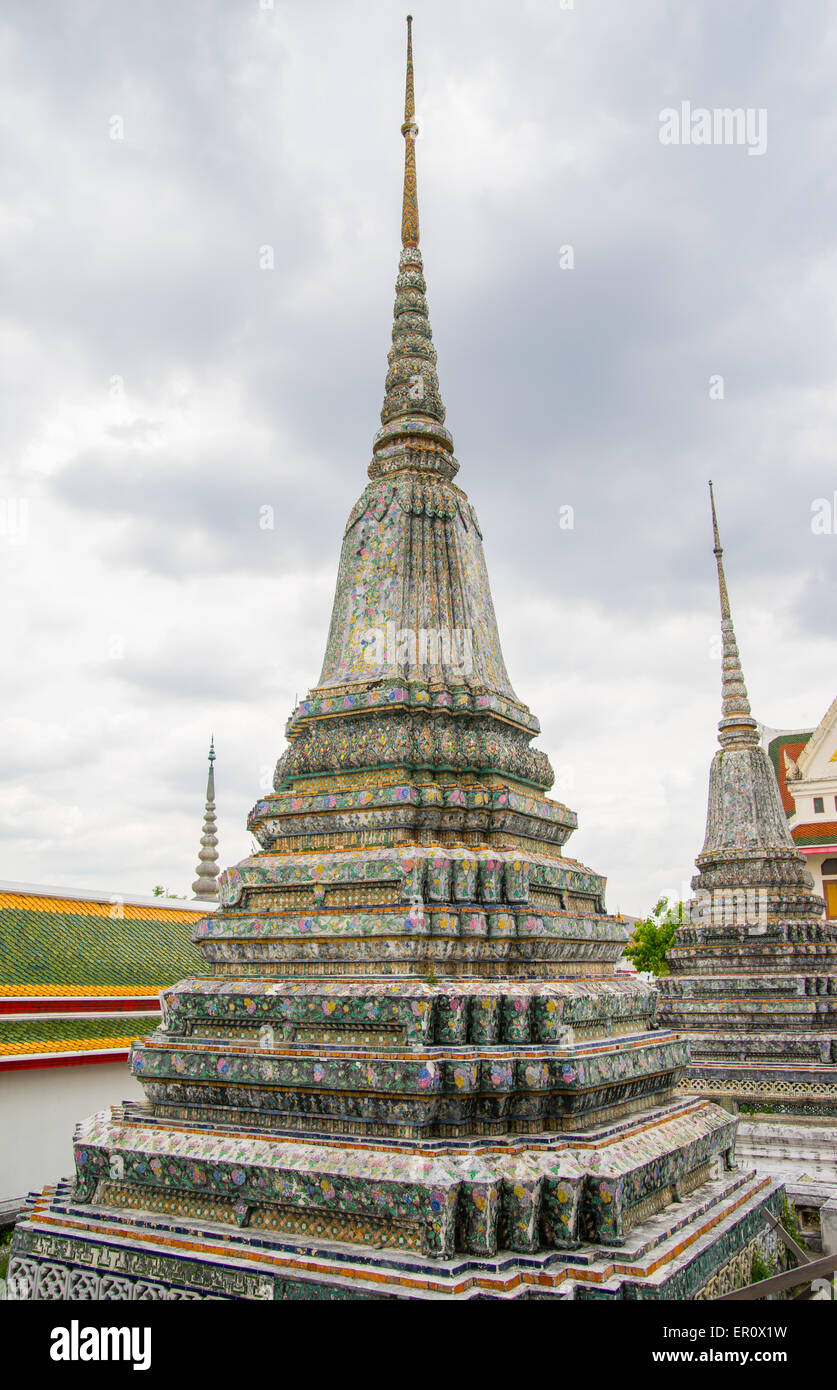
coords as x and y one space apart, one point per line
652 937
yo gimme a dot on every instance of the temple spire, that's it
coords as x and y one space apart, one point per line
205 885
737 727
409 212
413 433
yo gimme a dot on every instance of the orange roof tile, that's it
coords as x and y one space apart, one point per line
59 991
117 911
22 1049
820 829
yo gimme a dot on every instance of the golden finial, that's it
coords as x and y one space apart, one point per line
409 214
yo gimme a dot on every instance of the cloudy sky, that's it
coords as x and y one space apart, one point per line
160 387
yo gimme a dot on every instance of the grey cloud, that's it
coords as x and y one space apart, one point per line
586 387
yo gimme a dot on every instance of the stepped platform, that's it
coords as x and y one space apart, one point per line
688 1241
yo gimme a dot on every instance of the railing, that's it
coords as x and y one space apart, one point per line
806 1271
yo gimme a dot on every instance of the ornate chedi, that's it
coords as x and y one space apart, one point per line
409 1070
754 972
205 886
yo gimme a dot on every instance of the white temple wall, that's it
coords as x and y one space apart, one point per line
39 1109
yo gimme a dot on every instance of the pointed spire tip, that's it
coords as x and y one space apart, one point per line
715 533
413 414
205 885
409 211
737 728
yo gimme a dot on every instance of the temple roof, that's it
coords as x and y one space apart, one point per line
805 763
80 972
816 832
784 749
818 760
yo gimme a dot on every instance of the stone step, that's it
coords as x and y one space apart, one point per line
74 1252
555 1194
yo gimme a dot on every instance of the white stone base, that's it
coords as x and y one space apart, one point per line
39 1108
828 1226
791 1148
803 1155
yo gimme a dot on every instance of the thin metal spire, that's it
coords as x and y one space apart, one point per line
409 212
737 726
719 553
412 418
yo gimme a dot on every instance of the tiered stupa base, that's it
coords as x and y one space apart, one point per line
522 1217
411 1071
758 1002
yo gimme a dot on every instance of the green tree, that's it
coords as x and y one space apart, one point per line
159 891
651 938
5 1242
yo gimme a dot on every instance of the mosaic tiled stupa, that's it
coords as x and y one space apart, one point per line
754 972
409 1070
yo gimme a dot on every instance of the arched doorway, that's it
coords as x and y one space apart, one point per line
829 884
